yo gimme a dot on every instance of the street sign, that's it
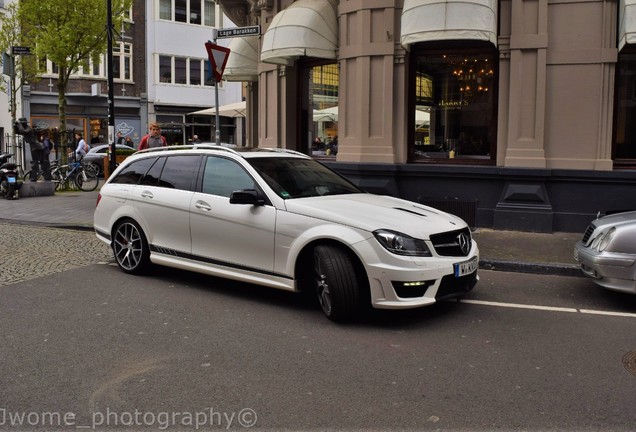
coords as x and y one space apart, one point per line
20 50
218 58
238 32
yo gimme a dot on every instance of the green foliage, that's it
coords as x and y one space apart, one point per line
124 152
67 32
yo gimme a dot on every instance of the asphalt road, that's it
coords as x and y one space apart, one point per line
90 347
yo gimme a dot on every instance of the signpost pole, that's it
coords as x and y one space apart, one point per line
218 58
111 88
217 131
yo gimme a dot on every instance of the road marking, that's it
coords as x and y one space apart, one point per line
608 313
548 308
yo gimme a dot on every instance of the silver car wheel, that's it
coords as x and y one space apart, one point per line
130 247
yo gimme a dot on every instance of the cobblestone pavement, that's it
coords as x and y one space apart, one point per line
32 251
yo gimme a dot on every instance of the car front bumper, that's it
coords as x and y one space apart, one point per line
609 270
423 282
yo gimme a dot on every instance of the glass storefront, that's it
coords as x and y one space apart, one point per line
321 132
625 127
455 105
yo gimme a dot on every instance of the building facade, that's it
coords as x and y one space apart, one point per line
5 101
87 90
178 71
514 114
160 75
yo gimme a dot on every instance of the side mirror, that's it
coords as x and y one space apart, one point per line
247 196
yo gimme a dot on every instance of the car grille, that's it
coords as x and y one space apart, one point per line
450 243
588 233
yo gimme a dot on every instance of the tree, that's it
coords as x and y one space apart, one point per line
68 33
24 66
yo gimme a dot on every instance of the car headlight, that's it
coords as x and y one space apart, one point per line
607 238
401 244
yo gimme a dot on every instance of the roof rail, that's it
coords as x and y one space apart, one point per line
284 150
186 147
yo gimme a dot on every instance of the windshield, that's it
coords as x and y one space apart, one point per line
301 178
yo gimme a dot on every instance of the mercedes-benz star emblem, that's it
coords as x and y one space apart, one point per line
464 243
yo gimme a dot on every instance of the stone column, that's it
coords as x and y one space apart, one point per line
526 103
371 115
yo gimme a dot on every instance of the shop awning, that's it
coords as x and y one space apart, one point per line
230 110
627 23
305 28
327 114
242 64
435 20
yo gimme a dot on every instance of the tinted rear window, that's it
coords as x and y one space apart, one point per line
134 172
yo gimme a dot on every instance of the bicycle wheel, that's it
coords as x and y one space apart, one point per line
56 178
91 167
27 176
86 180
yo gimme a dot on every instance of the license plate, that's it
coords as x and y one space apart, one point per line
466 267
11 179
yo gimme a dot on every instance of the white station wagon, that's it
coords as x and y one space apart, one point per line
281 219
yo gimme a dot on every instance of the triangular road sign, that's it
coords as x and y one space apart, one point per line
218 58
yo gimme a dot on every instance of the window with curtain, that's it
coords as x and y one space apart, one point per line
165 9
209 10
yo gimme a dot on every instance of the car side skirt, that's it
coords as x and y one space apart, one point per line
223 269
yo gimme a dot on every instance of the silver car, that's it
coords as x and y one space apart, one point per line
607 252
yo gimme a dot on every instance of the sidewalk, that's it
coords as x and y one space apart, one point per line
541 253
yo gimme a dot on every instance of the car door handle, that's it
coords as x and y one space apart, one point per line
202 205
147 194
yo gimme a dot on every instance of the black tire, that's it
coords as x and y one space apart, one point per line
55 178
130 247
27 176
86 180
336 283
92 167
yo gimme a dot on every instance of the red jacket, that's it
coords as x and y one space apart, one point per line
143 144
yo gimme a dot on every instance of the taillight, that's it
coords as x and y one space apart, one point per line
99 197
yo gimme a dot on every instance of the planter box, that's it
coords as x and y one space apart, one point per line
119 159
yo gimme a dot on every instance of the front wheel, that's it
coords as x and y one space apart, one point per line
130 247
336 283
86 180
27 176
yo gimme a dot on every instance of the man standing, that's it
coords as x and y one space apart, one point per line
153 139
38 159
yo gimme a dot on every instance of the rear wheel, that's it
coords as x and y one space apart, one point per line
86 180
130 247
92 167
336 283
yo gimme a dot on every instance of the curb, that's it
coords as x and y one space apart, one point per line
532 268
484 264
71 226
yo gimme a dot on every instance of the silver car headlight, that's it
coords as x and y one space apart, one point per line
607 238
402 244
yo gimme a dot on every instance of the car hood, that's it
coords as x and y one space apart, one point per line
370 212
617 219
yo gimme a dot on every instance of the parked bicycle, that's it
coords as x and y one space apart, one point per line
55 174
74 174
